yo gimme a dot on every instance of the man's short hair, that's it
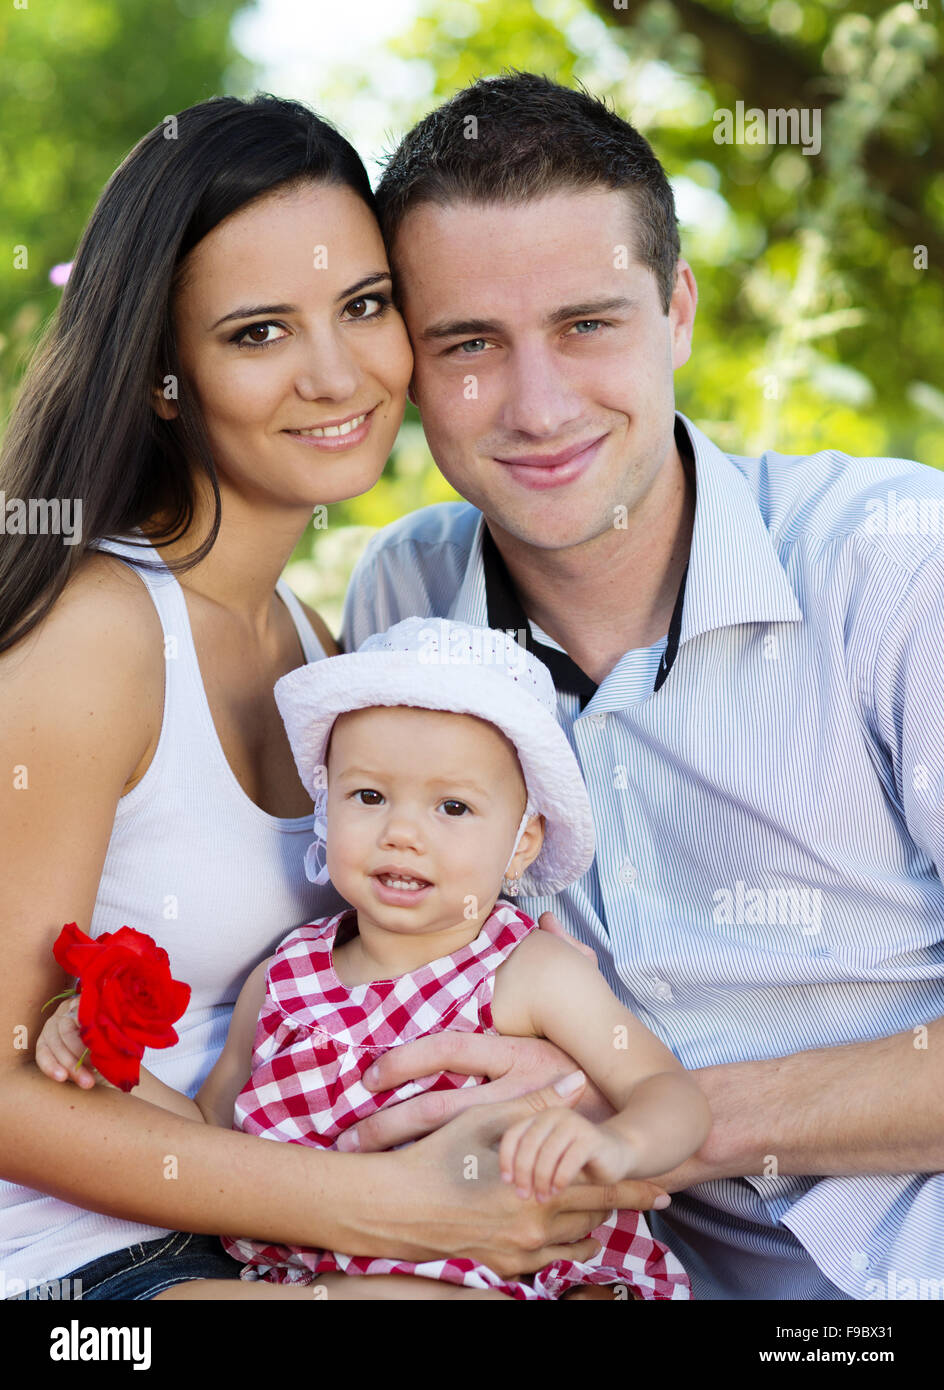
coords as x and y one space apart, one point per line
530 137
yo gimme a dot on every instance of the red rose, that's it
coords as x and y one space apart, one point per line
127 999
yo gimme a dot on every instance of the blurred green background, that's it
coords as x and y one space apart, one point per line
821 277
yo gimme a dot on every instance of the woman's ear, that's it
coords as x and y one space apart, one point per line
163 404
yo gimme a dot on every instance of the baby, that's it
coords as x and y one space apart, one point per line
431 752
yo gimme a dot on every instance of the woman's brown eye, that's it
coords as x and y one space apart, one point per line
262 328
353 310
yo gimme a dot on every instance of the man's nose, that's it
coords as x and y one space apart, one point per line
329 370
540 399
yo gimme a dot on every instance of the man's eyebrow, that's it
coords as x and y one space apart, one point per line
252 311
591 309
466 328
478 328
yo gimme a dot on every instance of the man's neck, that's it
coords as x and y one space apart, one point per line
616 591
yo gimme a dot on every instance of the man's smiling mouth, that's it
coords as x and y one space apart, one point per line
550 460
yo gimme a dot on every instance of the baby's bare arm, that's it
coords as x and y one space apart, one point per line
547 990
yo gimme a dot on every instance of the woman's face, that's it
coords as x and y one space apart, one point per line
288 337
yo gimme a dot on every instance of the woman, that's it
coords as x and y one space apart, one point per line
226 357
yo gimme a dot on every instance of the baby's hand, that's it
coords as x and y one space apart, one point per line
60 1046
548 1150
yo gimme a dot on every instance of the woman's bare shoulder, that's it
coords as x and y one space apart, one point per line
99 648
81 701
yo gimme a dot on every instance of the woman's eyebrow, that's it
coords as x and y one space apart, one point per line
251 311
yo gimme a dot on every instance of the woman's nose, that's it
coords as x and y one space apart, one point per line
330 371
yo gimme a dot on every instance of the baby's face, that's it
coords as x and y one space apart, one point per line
420 795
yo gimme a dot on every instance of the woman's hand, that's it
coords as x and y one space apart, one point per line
465 1210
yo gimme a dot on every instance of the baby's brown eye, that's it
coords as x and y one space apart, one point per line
461 805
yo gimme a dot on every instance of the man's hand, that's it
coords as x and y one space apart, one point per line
549 923
515 1066
469 1212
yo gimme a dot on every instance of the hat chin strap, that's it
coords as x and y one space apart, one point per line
316 857
529 811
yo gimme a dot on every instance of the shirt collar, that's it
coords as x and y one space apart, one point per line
734 574
471 604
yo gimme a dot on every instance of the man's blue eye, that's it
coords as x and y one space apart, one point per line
471 343
583 323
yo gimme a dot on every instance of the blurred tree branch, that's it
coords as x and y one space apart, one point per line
769 71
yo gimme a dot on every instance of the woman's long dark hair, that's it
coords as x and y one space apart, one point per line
84 426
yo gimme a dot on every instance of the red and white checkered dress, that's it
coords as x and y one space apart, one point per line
315 1039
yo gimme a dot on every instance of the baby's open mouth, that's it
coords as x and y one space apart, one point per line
397 881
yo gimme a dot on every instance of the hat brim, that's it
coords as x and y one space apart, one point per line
312 697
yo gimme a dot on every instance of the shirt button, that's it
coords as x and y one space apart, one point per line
661 989
627 873
597 720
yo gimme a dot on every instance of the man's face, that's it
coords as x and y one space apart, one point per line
543 359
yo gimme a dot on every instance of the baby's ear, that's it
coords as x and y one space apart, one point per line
531 841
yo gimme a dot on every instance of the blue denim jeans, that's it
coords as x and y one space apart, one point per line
142 1271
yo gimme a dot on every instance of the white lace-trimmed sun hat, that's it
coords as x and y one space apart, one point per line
438 664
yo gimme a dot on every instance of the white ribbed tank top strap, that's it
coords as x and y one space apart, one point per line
311 646
187 723
187 720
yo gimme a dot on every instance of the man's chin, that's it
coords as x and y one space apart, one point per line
555 533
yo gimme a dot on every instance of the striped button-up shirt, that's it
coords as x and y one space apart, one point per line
770 835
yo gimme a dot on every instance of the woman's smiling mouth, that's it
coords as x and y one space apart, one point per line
338 434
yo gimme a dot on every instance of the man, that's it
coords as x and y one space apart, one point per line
748 665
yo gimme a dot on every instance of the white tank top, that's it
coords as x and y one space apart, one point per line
214 879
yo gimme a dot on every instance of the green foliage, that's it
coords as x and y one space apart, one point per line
83 81
819 325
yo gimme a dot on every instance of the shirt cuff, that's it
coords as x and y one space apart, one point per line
875 1235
